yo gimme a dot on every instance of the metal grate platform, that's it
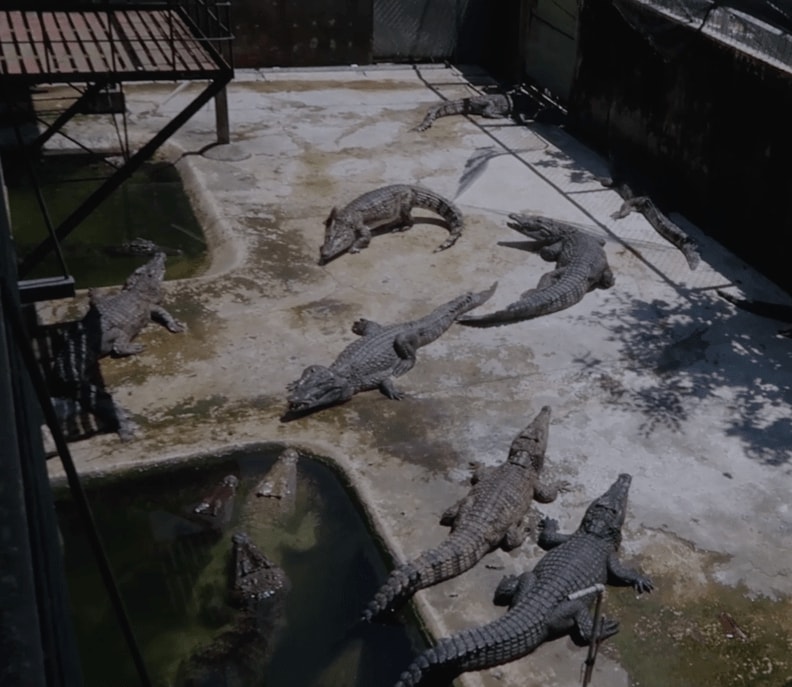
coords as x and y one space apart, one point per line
66 46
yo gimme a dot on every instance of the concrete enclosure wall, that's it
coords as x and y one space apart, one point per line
711 123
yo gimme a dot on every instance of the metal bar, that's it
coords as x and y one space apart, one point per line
594 644
122 174
77 491
67 114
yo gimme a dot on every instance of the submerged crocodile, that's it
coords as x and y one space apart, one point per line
581 265
349 229
774 311
217 507
237 655
493 514
543 603
122 316
139 247
381 353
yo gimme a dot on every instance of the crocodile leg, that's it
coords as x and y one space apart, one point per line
450 514
510 585
547 493
388 389
576 613
627 576
124 347
362 238
159 314
515 535
364 327
550 537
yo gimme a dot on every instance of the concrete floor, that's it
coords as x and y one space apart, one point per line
657 376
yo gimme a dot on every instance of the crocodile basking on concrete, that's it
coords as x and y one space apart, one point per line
492 515
122 316
381 353
238 654
349 229
581 265
660 221
491 105
540 607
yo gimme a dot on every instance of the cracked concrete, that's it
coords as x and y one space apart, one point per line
656 376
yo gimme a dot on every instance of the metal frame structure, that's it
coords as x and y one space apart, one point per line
103 45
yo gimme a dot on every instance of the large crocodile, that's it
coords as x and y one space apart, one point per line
581 265
493 514
239 652
381 353
122 316
540 607
349 229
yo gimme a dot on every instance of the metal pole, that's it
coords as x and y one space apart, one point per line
593 647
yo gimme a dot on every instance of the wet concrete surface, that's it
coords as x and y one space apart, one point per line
656 376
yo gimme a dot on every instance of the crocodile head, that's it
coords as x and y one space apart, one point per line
605 516
318 386
543 230
529 446
148 278
339 237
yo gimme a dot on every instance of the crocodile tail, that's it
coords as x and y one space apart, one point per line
451 558
429 200
452 107
471 300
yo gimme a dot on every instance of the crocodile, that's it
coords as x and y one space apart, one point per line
350 228
544 603
381 353
581 265
774 311
659 221
492 515
217 507
139 247
237 655
122 316
490 105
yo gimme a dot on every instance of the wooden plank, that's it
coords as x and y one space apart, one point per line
10 63
146 49
173 59
56 54
90 50
25 49
76 49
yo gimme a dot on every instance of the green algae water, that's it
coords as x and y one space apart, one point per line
151 204
170 568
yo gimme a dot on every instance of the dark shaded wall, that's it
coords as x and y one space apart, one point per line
299 33
711 125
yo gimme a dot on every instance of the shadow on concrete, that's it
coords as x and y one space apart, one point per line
701 350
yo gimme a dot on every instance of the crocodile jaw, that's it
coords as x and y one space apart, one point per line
318 386
339 237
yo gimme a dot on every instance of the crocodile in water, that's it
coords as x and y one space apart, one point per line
540 607
581 265
381 353
122 316
349 229
217 507
139 247
493 514
240 651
